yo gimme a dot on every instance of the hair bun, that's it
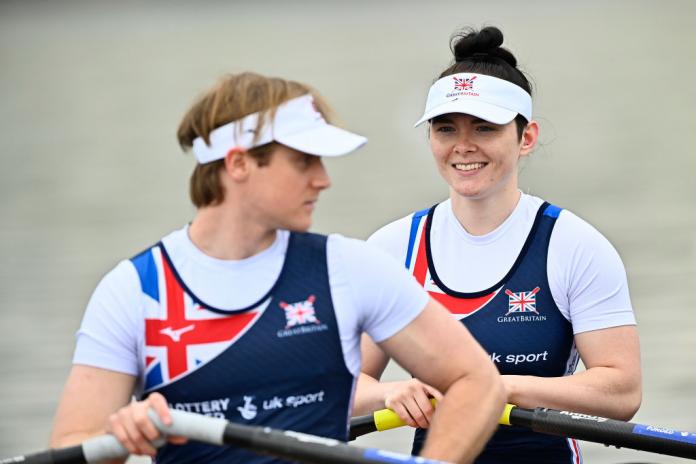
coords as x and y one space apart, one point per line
485 44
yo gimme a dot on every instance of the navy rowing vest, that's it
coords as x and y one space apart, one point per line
517 322
277 363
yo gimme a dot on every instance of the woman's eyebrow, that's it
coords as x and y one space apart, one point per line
441 120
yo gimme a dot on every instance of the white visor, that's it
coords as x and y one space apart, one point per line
486 97
296 124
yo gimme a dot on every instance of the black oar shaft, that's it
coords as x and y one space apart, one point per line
292 446
71 455
308 448
565 424
607 431
362 425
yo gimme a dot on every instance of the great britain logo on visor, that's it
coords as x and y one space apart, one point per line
463 84
486 97
297 124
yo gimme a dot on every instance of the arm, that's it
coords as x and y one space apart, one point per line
610 387
97 401
90 396
408 398
589 285
369 395
438 349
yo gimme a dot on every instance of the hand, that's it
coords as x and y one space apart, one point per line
410 399
134 429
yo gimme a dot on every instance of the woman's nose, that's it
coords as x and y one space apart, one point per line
320 178
464 144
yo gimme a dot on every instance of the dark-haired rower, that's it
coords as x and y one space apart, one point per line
536 285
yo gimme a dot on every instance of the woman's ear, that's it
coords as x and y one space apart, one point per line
530 136
237 164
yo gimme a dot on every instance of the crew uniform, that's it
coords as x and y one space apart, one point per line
523 291
273 339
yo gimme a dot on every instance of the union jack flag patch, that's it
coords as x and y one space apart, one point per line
464 84
300 313
522 302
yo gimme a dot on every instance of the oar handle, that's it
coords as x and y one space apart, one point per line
192 426
586 427
386 419
279 443
102 447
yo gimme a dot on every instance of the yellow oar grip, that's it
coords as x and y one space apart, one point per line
505 417
386 419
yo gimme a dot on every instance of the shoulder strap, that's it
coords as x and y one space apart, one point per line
144 263
552 210
415 223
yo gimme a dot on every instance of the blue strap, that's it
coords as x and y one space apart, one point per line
147 271
415 222
552 211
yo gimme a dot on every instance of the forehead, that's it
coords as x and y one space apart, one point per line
282 155
450 118
283 150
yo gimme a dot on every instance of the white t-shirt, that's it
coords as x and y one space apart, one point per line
370 294
585 273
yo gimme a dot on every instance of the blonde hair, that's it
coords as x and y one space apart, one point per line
231 98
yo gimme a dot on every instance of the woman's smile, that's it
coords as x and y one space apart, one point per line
469 168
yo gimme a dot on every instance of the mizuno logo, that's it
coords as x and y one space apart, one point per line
175 334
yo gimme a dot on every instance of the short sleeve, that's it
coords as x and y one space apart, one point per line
587 277
371 290
108 337
393 238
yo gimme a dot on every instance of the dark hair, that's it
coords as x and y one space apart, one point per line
480 52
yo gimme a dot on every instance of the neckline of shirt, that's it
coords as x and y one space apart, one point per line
179 243
452 223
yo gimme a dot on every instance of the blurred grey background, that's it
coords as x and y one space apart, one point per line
92 92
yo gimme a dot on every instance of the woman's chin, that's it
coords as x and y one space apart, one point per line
299 225
468 192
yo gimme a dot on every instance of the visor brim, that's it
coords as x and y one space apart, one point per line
484 110
324 140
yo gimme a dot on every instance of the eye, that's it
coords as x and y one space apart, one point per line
307 160
486 128
443 128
